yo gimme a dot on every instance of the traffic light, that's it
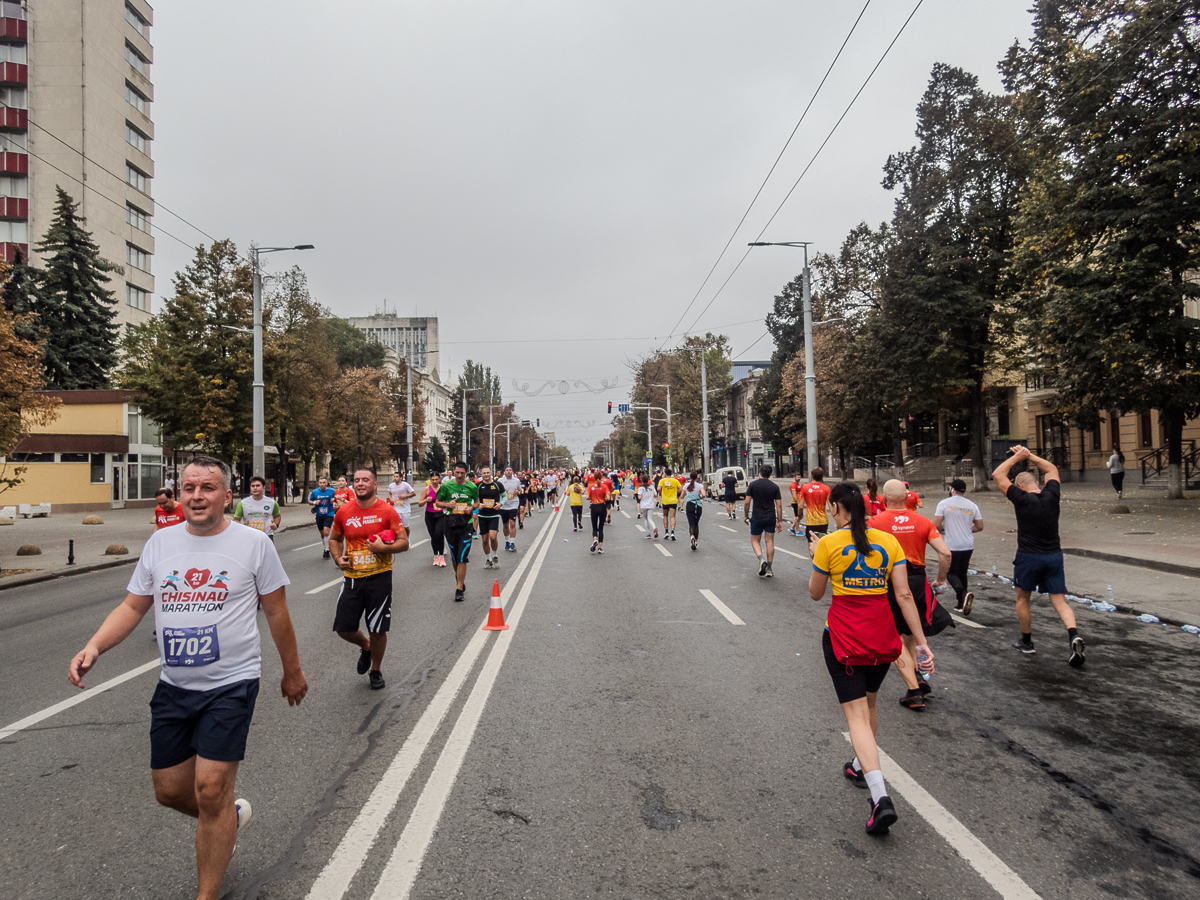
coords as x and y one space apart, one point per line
539 423
666 446
610 407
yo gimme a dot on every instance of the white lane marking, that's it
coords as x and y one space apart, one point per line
967 622
323 587
803 556
306 547
1007 883
727 528
405 863
663 550
352 851
721 607
626 515
54 710
418 544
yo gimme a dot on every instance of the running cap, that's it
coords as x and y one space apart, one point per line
958 485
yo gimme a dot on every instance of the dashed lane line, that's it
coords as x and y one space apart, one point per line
803 556
306 547
727 528
721 607
663 550
966 622
626 515
88 694
326 586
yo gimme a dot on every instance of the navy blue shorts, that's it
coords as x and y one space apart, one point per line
758 526
212 724
1040 572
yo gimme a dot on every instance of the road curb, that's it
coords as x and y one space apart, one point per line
1172 568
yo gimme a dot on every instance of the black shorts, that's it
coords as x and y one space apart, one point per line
371 596
324 521
934 618
212 724
820 530
458 541
852 682
608 504
489 524
667 506
759 526
507 515
730 497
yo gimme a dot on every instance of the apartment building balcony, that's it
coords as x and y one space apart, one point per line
14 74
13 31
13 119
8 251
14 164
14 208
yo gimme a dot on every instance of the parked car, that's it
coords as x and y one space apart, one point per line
715 489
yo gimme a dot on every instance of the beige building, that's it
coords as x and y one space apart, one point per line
76 92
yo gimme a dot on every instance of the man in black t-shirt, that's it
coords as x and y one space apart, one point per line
729 482
491 495
1038 565
764 515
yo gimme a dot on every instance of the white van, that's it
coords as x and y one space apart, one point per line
717 492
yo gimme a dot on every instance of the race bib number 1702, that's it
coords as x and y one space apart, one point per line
191 646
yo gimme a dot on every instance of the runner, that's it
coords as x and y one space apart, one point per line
912 500
458 499
321 501
647 497
794 488
257 511
491 498
959 519
434 519
342 494
1039 562
608 504
874 499
764 514
860 640
615 477
575 494
816 496
598 492
366 532
523 509
668 492
913 532
729 483
509 508
693 495
551 481
211 658
400 494
168 512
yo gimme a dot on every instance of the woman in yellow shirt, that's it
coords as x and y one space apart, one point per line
575 494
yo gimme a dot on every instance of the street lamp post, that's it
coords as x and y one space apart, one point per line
463 456
259 425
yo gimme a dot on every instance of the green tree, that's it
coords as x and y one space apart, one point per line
1109 231
75 310
20 296
22 401
351 346
434 461
363 418
483 390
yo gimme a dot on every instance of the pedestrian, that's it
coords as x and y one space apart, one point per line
458 499
1116 471
860 641
400 494
491 497
321 500
959 519
433 518
912 500
668 491
647 497
575 495
1039 562
693 496
764 514
211 659
816 498
342 494
366 533
794 489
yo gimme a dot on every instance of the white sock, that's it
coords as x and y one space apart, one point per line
325 541
875 783
855 765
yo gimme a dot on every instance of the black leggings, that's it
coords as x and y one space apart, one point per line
433 524
1118 480
577 516
599 514
960 560
694 511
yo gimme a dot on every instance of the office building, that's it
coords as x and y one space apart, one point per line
413 338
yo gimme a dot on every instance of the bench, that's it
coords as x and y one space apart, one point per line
33 509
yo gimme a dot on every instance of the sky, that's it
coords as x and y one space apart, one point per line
553 180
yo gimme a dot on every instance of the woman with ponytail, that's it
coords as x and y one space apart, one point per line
860 640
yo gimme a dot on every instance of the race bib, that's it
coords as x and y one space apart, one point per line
257 524
191 646
461 509
363 560
488 503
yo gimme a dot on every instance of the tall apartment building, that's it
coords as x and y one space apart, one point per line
76 93
414 339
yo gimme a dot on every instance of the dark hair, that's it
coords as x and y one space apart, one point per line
460 465
1120 455
165 492
872 488
259 479
817 474
765 471
849 498
691 485
202 461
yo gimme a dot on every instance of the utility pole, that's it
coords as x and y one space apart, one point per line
463 455
258 427
408 409
703 415
810 376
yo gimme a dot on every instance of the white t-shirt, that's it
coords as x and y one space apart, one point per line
257 514
647 496
551 482
511 486
395 490
205 592
958 515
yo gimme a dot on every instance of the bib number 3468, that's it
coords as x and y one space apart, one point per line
191 646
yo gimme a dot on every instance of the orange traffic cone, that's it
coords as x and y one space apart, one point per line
495 620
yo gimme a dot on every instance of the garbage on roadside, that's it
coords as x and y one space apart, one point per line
1101 606
1149 619
1191 629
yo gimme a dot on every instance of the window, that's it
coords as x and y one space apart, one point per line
136 99
137 298
14 187
140 25
14 142
137 139
99 469
151 479
1096 438
1145 430
137 178
14 232
12 10
139 62
137 257
33 457
14 53
136 217
73 457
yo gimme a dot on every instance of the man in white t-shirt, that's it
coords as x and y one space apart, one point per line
259 511
508 509
400 494
959 519
205 581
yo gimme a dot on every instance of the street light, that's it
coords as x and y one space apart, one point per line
259 439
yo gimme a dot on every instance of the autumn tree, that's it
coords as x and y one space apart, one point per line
22 405
363 418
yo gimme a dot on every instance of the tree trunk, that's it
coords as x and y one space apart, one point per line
978 436
1174 419
897 444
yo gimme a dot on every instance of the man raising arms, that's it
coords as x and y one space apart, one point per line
459 498
211 657
362 550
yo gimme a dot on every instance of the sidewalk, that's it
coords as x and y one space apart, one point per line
131 527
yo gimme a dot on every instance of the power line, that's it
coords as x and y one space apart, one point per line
786 143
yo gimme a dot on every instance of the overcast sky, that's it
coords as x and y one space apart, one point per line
553 180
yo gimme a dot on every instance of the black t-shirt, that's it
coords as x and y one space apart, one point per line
763 493
489 492
730 484
1037 518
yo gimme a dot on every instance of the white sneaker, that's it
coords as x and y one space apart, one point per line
244 812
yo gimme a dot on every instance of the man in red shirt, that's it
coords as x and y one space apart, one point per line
168 512
914 532
599 489
794 487
816 499
357 543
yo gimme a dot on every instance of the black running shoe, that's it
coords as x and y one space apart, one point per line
883 816
859 779
762 569
377 681
458 595
1024 646
595 544
325 555
923 686
967 601
1076 659
364 661
913 700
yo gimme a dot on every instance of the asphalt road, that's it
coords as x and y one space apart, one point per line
625 738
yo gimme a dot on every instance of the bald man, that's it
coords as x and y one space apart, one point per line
1039 562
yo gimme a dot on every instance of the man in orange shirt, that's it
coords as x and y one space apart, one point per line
816 497
168 512
912 500
599 489
794 487
914 532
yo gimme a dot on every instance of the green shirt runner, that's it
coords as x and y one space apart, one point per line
465 497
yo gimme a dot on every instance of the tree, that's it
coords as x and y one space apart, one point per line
435 457
351 346
395 388
483 391
21 402
363 418
76 312
20 296
193 362
1109 230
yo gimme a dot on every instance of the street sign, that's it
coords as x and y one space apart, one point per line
646 462
622 407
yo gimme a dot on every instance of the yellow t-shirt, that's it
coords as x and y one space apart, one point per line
576 492
668 491
837 557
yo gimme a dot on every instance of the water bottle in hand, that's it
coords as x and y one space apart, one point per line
922 663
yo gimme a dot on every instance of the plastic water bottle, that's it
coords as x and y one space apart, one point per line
1110 596
922 661
1191 629
1148 619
